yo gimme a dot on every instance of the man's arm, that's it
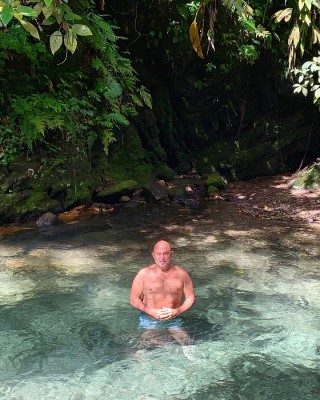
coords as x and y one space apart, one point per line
189 298
136 295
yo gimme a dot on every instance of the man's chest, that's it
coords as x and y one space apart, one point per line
156 285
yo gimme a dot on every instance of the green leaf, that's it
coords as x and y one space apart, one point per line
70 42
48 11
6 15
48 2
81 30
30 28
317 94
55 41
48 21
72 16
27 11
305 91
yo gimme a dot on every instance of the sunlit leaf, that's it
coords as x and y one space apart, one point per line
48 11
316 36
17 15
317 94
304 91
283 14
27 11
81 30
195 38
55 41
294 36
70 42
30 28
6 15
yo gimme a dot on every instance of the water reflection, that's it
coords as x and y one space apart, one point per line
67 330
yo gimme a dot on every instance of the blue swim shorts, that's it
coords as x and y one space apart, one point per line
147 322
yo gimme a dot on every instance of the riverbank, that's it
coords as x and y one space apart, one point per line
273 198
269 198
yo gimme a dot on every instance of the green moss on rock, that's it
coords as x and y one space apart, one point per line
212 189
215 179
308 179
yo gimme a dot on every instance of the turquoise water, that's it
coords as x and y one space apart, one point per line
68 332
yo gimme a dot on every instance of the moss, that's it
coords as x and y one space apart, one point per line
129 160
176 191
215 179
212 189
308 179
211 158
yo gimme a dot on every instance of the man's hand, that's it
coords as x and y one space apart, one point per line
167 313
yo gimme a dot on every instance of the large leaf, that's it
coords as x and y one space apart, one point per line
30 28
48 11
283 14
55 41
294 36
72 16
195 38
6 15
81 30
27 11
48 2
70 42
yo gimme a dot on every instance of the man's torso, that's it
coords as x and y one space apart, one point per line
163 289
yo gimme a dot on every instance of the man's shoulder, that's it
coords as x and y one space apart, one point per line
146 270
180 270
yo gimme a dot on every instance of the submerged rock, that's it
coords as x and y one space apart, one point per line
46 219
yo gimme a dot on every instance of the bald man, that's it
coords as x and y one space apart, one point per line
162 291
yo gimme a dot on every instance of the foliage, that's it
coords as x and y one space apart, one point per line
309 79
303 17
77 105
45 13
203 28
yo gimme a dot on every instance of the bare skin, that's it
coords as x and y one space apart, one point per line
162 290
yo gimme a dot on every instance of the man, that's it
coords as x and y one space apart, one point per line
158 290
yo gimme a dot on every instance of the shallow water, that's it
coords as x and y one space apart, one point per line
67 331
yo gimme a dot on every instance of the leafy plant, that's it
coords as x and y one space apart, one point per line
44 13
309 79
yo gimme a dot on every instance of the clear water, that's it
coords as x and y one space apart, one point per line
67 331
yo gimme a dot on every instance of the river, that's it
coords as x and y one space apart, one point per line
68 332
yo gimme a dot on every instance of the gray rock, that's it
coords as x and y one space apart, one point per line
46 219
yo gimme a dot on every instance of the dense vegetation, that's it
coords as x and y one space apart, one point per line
128 89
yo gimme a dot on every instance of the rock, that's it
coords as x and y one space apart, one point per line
124 199
191 203
157 191
215 179
46 219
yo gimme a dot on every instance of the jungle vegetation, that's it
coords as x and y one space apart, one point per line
77 74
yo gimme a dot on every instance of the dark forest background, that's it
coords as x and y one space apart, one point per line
105 98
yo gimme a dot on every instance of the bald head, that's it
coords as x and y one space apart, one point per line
162 244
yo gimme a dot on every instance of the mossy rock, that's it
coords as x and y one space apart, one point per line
114 192
309 179
176 191
212 189
215 179
15 206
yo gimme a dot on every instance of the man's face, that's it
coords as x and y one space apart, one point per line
162 256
